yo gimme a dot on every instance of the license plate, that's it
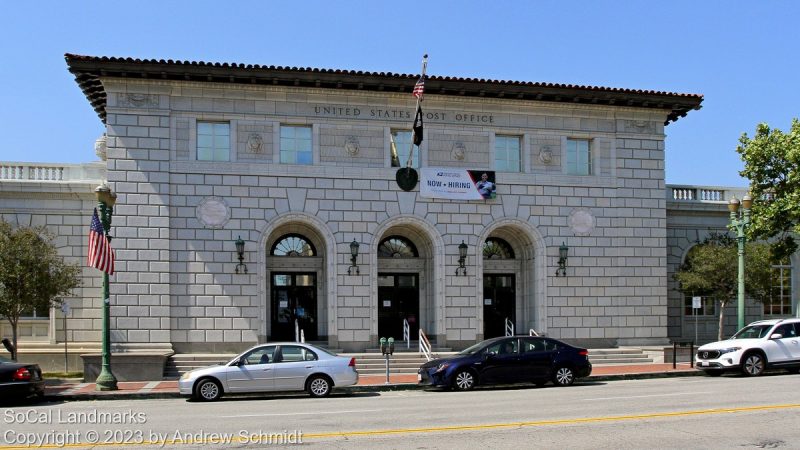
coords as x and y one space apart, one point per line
419 377
703 363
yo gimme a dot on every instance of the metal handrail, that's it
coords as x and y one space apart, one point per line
407 333
509 327
424 345
533 332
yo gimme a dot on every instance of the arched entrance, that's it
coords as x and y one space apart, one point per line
295 284
511 282
501 269
399 269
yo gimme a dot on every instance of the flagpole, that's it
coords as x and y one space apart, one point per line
419 99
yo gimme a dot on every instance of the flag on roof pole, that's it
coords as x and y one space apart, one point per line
418 126
419 88
101 255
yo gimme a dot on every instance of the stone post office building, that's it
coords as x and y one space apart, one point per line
300 163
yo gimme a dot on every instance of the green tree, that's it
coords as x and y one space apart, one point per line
32 274
772 164
711 270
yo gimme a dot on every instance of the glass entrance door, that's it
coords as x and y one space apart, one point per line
499 303
398 299
294 297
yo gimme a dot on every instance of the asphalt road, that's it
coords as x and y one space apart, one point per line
692 412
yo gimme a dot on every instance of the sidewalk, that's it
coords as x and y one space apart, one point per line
76 390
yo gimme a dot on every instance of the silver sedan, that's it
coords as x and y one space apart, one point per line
281 366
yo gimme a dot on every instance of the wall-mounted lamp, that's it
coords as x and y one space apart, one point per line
240 251
462 259
353 257
562 260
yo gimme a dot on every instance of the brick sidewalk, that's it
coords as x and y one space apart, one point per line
67 389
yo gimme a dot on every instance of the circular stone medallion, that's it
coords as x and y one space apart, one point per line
213 212
581 221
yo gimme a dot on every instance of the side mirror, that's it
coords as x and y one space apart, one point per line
240 362
776 336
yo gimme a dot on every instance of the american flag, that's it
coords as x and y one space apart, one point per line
101 256
419 88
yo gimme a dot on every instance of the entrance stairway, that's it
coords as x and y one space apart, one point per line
404 361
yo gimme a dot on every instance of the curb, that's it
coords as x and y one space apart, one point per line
360 389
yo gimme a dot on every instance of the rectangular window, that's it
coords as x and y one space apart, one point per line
507 153
579 157
296 145
35 313
213 141
781 300
400 146
706 306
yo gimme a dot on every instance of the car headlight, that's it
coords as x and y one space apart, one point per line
729 350
442 367
186 375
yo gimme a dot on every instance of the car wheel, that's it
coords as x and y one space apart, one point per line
319 386
208 390
564 376
464 380
753 364
713 373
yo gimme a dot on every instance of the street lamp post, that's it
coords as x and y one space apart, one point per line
105 203
740 220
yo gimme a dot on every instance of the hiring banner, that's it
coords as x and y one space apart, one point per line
457 184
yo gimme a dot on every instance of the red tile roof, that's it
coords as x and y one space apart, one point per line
88 71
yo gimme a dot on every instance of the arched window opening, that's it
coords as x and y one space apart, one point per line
397 247
496 248
293 245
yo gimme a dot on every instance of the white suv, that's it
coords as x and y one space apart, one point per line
755 348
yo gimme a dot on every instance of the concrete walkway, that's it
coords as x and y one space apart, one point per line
76 390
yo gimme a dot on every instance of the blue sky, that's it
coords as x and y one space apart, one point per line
740 55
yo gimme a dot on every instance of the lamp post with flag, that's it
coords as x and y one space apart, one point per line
101 256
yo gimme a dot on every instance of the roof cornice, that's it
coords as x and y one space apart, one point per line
89 70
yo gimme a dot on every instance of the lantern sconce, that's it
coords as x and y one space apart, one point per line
241 267
353 257
462 259
562 260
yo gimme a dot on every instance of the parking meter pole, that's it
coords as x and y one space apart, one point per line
387 368
66 357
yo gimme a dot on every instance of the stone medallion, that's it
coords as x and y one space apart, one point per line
351 146
546 155
213 212
581 221
459 151
255 144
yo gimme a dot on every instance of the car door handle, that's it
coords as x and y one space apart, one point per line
309 367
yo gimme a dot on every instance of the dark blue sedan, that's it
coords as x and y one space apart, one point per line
506 360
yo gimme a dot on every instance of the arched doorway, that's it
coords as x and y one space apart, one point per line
499 287
294 269
511 282
399 270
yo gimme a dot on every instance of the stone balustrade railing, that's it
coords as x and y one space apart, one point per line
39 172
715 194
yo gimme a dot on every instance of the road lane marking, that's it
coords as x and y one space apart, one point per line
649 396
307 413
234 439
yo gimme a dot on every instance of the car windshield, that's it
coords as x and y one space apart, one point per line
473 349
752 332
